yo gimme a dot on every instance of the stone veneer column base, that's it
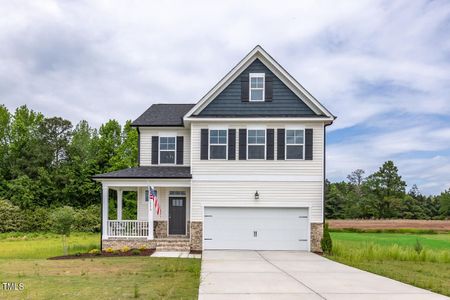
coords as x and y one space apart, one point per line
316 236
196 236
117 244
160 229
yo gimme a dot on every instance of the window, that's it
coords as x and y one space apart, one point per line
177 202
295 143
256 144
167 150
256 86
218 144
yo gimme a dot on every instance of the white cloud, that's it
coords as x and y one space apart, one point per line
365 60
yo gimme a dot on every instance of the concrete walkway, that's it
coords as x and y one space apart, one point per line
294 275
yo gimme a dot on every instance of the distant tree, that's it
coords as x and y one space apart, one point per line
444 199
356 177
389 189
55 134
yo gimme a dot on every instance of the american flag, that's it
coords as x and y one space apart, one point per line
152 196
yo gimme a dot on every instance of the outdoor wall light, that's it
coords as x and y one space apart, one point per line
256 195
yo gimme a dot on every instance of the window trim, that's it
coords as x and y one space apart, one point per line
256 75
286 144
209 144
265 144
159 150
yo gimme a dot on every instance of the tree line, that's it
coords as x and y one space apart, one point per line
46 163
382 195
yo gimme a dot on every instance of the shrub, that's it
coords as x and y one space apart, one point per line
125 249
95 252
109 250
88 219
418 247
143 248
10 216
38 219
135 252
326 243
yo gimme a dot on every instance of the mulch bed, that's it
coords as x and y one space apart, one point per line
146 252
195 252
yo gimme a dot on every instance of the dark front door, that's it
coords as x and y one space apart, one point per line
177 215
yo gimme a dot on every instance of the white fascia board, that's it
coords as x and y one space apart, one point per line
125 182
259 53
265 120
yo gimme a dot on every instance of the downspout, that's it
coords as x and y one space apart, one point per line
139 147
324 168
101 220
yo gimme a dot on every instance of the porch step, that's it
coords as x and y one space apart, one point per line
171 244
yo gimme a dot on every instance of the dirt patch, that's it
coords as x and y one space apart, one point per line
146 252
437 225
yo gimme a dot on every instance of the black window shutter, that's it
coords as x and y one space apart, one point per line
231 144
280 144
268 89
204 144
155 149
308 144
270 144
180 148
242 144
244 88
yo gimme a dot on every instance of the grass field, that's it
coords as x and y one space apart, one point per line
22 259
44 245
393 255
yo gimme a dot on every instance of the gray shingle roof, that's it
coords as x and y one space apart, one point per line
163 115
148 172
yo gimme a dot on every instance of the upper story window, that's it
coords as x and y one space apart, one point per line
167 146
295 143
256 86
256 143
218 144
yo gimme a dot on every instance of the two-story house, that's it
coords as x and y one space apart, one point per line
243 168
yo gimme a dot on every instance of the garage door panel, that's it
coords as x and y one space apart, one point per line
256 228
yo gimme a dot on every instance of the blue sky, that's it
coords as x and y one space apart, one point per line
383 67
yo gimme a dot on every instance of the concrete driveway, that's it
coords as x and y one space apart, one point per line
294 275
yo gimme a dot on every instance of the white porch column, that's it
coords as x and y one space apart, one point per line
150 218
119 204
105 197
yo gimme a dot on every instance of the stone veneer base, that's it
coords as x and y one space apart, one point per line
160 229
196 235
316 236
117 244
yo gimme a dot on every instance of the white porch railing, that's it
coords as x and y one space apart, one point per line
127 228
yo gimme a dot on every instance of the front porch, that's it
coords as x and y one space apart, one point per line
169 230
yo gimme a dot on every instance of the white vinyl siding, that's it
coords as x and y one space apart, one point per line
274 167
146 143
163 198
281 183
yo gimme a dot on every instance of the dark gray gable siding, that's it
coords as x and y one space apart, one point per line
284 102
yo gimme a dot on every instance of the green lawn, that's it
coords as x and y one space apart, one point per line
23 260
393 255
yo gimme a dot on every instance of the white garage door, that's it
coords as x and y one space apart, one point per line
252 228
